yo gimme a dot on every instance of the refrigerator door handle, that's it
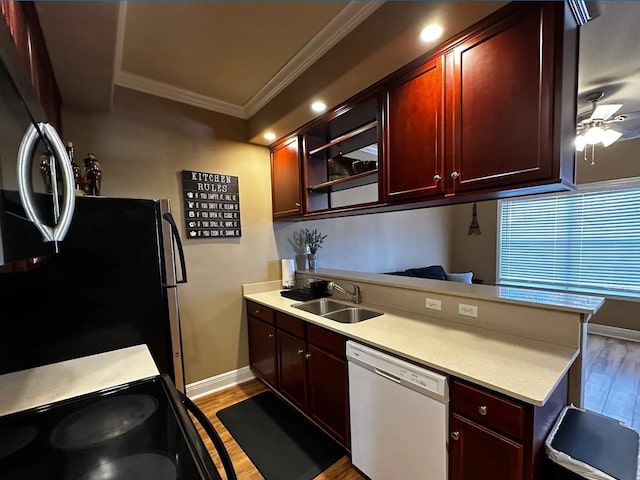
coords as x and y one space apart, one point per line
25 154
176 236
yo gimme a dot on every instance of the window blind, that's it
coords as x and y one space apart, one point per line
580 241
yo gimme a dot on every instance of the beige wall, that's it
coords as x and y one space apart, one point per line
380 242
145 142
142 146
478 253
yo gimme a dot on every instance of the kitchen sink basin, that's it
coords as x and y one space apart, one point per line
337 311
320 307
351 315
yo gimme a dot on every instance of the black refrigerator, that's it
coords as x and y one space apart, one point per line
113 284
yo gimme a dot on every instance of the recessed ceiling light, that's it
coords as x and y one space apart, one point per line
318 106
431 32
269 136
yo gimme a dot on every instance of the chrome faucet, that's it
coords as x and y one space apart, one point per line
355 296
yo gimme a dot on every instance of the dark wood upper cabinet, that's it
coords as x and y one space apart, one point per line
477 453
489 114
292 368
24 26
328 396
262 350
414 153
285 179
509 88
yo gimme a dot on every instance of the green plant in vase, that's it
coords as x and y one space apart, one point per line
313 239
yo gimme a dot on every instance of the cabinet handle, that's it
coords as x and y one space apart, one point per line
437 178
454 175
300 352
298 204
257 312
307 356
482 410
455 435
271 335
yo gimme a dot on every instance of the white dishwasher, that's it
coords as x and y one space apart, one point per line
399 417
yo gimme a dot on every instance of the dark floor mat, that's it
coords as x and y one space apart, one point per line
280 442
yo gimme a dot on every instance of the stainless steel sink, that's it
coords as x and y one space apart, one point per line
351 315
320 307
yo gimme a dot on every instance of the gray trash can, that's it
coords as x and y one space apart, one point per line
584 444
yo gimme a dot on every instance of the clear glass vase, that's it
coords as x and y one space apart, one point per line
312 260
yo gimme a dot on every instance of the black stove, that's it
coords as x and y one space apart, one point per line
135 431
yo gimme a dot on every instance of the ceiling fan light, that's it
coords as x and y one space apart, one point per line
580 143
603 112
609 136
594 135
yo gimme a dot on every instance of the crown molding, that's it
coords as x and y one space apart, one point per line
352 15
117 61
164 90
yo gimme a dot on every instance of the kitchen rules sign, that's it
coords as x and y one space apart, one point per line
211 205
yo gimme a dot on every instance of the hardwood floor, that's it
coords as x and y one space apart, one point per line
613 379
245 470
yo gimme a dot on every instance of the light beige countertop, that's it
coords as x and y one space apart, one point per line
528 370
58 381
568 302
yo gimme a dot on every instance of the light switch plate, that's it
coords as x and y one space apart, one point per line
433 303
468 310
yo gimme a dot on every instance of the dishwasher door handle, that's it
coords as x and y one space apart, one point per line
388 376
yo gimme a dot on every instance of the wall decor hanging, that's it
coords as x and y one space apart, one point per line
211 205
474 227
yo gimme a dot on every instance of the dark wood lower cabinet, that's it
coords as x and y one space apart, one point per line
477 453
495 437
262 350
292 368
303 363
328 394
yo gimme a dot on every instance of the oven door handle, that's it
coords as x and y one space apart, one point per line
213 435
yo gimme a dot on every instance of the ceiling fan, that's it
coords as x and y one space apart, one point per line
601 126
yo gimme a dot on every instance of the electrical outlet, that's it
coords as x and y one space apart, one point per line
433 304
468 310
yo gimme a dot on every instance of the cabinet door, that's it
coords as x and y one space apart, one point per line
285 180
414 135
500 93
328 393
477 453
262 350
292 367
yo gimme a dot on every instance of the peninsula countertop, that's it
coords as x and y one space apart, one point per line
525 369
586 305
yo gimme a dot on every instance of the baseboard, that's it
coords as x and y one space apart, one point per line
218 382
615 332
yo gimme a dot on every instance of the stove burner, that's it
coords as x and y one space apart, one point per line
144 466
15 439
102 421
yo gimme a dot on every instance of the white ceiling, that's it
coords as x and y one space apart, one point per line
610 57
234 57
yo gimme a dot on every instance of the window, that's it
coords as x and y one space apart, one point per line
584 242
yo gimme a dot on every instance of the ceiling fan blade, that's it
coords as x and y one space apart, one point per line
609 136
603 112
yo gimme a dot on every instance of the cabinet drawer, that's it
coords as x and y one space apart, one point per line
491 410
330 341
290 324
260 311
